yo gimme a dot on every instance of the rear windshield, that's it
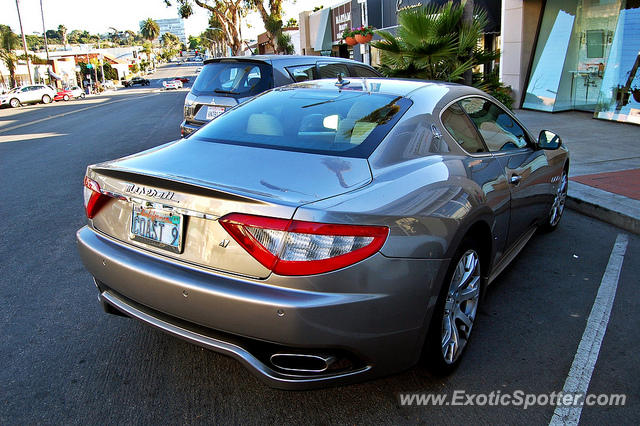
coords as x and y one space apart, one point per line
233 78
344 123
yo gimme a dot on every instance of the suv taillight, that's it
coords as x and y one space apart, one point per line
94 199
292 247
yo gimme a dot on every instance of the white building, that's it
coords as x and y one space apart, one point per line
174 26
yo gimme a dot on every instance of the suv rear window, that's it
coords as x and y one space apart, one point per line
233 78
345 123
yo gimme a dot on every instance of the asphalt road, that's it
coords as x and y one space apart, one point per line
66 362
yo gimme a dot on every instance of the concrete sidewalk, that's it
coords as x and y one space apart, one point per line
605 164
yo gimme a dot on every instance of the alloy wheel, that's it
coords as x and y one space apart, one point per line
46 99
460 307
15 103
558 203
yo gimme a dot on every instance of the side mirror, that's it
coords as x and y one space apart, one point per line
549 140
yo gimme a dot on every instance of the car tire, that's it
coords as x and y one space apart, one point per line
15 103
65 97
46 99
557 208
83 95
456 310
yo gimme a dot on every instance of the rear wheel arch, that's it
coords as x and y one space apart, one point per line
480 232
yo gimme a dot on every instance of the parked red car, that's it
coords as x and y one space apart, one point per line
182 79
69 93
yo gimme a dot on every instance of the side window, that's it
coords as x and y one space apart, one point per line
499 131
462 129
358 71
331 70
303 73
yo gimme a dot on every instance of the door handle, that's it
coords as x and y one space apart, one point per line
515 179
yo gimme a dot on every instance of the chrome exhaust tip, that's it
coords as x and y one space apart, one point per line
302 363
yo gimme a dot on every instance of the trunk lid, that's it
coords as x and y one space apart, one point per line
203 181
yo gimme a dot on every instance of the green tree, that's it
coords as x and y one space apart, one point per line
229 14
62 30
434 43
53 36
149 29
147 48
74 36
114 35
170 45
292 22
170 41
8 42
130 37
34 42
194 42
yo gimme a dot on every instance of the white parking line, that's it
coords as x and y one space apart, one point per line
585 359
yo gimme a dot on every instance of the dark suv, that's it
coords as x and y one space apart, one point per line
136 80
226 82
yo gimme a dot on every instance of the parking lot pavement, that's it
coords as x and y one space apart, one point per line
65 361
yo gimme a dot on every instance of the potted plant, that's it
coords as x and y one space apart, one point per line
347 37
363 35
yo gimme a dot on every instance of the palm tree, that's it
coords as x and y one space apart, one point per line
8 42
434 43
62 30
149 29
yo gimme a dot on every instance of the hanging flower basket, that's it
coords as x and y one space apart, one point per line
347 37
362 39
363 35
351 41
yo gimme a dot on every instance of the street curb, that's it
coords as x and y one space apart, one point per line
614 217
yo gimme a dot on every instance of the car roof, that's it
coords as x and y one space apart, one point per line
396 86
292 59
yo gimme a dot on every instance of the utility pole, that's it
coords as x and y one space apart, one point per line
24 44
46 44
467 18
101 61
44 32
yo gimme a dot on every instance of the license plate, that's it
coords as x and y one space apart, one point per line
213 112
157 227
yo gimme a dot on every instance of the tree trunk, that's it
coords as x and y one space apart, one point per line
467 17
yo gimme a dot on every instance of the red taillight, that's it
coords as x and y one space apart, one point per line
94 199
291 247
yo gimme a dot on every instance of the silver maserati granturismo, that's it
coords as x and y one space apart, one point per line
326 231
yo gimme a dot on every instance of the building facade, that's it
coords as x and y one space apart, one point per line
321 31
174 26
583 55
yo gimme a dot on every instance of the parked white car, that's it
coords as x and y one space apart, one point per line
172 84
34 94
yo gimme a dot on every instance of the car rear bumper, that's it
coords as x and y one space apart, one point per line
187 129
369 332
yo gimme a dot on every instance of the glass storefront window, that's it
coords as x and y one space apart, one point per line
572 54
619 95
